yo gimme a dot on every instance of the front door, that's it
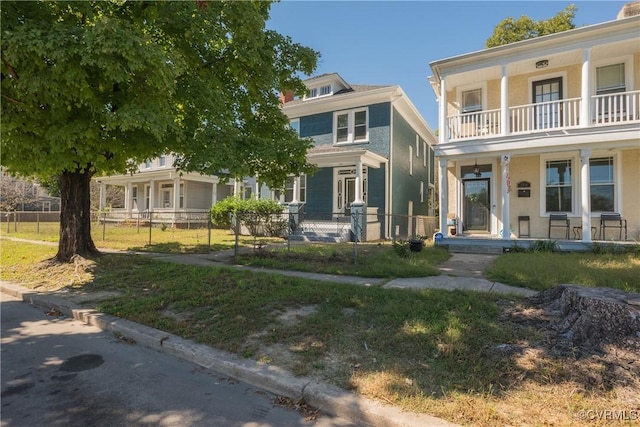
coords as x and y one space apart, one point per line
476 204
548 115
350 189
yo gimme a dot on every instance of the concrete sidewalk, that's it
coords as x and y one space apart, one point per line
460 272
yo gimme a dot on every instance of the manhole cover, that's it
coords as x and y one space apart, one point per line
84 362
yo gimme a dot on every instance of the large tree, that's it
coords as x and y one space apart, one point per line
511 30
97 87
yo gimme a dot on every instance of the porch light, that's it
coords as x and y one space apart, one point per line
542 63
476 170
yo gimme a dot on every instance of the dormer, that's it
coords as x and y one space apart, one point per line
324 85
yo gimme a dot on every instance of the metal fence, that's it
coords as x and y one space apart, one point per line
194 228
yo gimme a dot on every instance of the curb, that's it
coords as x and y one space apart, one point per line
330 399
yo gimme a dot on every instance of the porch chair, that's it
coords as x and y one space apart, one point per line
612 220
559 220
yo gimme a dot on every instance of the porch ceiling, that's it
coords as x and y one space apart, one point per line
345 158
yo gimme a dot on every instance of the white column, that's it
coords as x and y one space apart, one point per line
127 198
257 194
214 193
585 105
103 195
176 194
443 189
358 196
504 102
506 183
585 194
295 198
442 110
152 194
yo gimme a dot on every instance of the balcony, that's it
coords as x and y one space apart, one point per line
606 110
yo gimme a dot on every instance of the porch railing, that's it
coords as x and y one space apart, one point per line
471 125
542 116
607 109
616 108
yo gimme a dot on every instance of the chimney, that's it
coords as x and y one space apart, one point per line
287 96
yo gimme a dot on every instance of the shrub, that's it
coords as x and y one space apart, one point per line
251 213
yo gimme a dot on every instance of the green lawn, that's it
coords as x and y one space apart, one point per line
427 351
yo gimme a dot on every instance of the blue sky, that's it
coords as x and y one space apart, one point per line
392 42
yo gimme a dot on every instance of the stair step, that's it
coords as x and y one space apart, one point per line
475 249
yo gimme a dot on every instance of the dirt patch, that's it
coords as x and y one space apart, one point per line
589 337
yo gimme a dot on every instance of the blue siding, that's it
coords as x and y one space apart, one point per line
320 191
376 188
405 186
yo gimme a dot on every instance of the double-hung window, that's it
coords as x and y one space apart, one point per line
351 126
610 85
559 186
601 184
471 104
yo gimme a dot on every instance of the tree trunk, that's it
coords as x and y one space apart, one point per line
75 217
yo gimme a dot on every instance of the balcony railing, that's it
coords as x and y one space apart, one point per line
543 116
609 109
472 125
616 108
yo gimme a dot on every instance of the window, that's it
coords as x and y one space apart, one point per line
472 100
134 196
601 181
410 160
295 125
147 164
286 195
424 154
181 195
558 194
325 90
313 93
610 79
351 126
417 146
421 191
163 160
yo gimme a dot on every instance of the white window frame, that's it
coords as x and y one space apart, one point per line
162 161
411 160
326 90
134 197
425 153
575 181
421 191
417 146
350 126
295 125
468 88
627 60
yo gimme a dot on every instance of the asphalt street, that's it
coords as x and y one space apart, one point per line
58 371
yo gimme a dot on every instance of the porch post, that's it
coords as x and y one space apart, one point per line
442 119
506 184
214 193
585 104
127 198
296 190
103 195
443 189
358 196
585 195
152 194
176 197
504 102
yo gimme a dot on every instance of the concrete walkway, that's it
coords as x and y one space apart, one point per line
460 272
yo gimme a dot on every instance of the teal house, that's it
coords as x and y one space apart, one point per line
374 154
